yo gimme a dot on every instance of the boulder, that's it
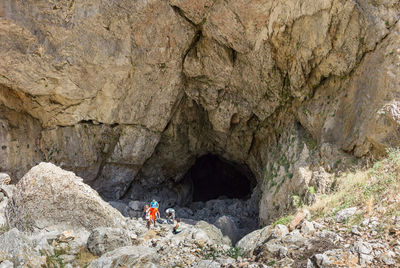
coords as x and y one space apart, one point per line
48 195
200 237
254 239
213 233
137 205
228 227
132 256
102 240
295 238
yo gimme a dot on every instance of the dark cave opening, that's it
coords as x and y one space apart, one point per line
213 177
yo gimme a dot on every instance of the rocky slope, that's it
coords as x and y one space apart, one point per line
352 234
128 94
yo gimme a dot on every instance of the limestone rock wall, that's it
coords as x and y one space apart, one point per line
128 94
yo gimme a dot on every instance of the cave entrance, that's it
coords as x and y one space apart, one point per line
213 177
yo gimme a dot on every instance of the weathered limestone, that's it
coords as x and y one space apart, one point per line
49 196
19 249
102 240
128 94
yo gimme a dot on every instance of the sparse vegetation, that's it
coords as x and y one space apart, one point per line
54 260
234 252
296 201
311 190
4 228
374 191
284 220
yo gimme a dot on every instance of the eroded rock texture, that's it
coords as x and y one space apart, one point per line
129 93
49 196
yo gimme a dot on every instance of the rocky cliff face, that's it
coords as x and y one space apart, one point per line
129 94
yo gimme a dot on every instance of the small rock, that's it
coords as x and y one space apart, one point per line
354 230
6 264
321 260
298 218
318 226
386 257
274 247
310 264
65 237
285 262
397 220
294 238
336 258
362 247
332 236
365 222
279 230
344 214
4 179
307 227
67 258
365 259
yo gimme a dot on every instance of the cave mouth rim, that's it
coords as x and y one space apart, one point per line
241 174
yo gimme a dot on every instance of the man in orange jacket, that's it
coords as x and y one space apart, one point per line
154 210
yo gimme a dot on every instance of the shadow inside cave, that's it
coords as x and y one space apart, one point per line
213 177
214 190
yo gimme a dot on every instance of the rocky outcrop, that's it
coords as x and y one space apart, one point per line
102 240
128 94
48 196
325 242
